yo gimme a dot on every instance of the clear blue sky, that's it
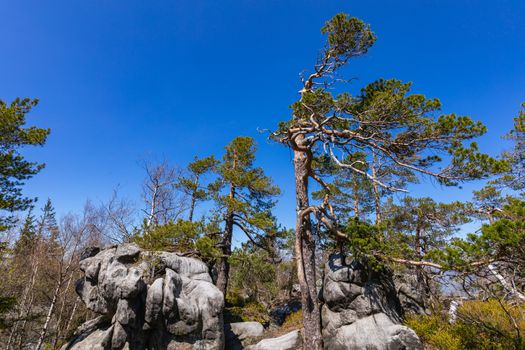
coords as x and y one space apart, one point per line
123 80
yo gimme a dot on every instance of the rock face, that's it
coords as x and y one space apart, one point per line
148 301
411 295
361 309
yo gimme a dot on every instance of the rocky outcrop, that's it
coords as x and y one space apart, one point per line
148 301
289 341
361 309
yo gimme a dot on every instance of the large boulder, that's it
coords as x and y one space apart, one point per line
148 300
361 309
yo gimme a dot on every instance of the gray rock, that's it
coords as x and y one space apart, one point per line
127 252
245 330
93 334
88 252
154 297
185 266
289 341
239 333
411 293
375 332
148 301
362 309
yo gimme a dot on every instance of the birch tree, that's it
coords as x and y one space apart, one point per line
162 203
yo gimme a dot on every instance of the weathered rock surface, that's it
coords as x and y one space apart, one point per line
148 301
289 341
361 309
238 334
411 293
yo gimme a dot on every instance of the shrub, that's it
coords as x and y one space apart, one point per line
251 311
481 325
293 320
435 331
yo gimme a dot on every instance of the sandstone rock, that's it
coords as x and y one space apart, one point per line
362 309
148 301
289 341
411 293
375 332
238 333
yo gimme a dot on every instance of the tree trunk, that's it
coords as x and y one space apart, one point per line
26 303
224 265
151 217
61 311
356 196
375 187
508 286
49 315
71 316
193 199
305 253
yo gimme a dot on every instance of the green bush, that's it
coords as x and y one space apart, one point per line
293 320
251 311
480 325
435 331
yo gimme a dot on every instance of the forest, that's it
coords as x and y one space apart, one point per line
447 275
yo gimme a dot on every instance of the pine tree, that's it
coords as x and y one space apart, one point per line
244 198
384 120
193 185
14 169
515 177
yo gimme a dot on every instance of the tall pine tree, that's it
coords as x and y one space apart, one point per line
244 197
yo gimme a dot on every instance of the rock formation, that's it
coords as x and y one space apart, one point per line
411 294
147 300
361 309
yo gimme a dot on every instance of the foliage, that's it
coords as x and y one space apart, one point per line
515 177
425 224
253 273
14 168
501 240
293 320
6 305
251 311
182 236
244 190
244 198
435 331
481 325
192 184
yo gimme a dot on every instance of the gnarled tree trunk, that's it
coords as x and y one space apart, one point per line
305 253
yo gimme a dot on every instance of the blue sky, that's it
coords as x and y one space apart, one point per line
120 81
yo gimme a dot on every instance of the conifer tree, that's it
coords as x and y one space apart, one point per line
244 198
384 120
14 168
193 185
515 177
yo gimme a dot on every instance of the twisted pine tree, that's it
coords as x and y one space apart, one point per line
384 120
